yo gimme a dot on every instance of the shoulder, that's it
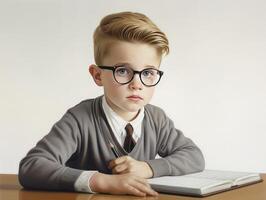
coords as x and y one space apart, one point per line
158 120
86 108
155 113
153 110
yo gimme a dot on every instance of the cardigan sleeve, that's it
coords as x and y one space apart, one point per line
44 165
179 154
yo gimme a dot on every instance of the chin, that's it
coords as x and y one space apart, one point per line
134 109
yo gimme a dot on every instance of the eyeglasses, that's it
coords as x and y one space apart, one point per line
124 74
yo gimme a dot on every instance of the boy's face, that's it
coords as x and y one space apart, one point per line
126 100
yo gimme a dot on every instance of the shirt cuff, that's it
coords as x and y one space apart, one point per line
82 184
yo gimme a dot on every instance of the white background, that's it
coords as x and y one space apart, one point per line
214 86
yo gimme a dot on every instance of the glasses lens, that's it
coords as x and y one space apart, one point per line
123 74
150 77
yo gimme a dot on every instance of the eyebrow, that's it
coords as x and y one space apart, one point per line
125 63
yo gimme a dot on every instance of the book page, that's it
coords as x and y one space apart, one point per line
235 177
202 183
187 182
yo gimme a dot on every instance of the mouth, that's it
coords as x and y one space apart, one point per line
135 97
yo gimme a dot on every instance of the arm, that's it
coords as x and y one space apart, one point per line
44 166
179 154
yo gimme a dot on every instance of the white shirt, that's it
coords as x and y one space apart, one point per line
117 125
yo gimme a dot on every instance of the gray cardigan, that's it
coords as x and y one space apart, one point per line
80 141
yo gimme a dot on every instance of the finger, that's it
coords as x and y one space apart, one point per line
119 168
126 171
144 188
134 191
117 161
143 181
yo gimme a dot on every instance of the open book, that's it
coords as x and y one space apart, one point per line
204 183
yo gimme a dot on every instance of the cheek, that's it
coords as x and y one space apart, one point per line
113 88
149 93
108 81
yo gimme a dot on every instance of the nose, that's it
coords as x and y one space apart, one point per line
136 83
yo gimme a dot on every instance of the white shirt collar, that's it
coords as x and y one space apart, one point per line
118 124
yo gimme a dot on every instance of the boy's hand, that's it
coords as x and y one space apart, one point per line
127 164
121 184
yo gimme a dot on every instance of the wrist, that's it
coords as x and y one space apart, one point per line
149 172
97 182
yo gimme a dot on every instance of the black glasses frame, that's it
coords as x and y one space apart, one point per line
113 68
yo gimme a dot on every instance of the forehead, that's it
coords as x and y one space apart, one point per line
137 54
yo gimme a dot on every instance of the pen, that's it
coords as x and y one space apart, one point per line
113 150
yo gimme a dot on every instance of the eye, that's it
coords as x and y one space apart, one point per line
149 73
122 71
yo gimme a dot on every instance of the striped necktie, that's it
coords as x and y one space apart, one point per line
129 142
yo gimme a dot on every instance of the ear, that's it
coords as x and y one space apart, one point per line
96 74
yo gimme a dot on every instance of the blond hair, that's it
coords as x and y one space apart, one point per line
127 26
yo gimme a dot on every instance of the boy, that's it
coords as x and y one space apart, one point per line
108 144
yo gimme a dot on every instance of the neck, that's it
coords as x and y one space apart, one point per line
127 116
